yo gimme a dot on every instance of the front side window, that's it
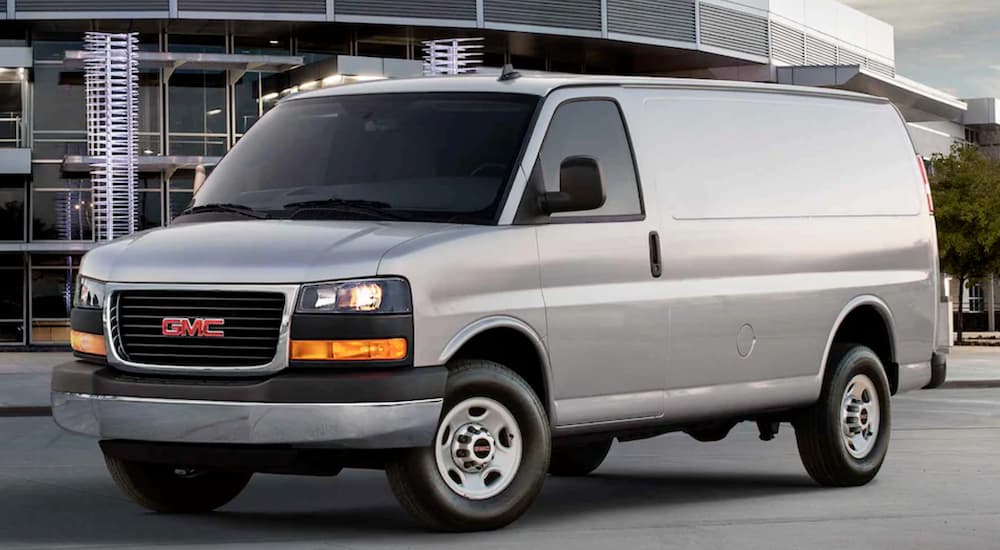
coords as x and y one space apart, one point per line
592 128
439 157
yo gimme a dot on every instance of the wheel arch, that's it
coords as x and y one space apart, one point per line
866 320
519 339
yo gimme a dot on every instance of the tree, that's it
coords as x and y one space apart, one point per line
966 190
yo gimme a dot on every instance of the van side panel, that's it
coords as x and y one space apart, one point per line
777 210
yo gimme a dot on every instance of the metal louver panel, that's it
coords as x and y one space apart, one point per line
3 6
847 57
820 52
732 29
787 44
255 6
666 19
90 5
431 9
570 14
882 68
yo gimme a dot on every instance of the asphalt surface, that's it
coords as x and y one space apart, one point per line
938 489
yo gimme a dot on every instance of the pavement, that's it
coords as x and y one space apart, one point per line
937 489
24 380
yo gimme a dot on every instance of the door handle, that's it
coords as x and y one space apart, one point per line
655 262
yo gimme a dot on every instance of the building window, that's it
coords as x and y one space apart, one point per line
317 42
181 189
150 99
387 42
971 135
11 299
60 127
12 194
197 113
61 205
149 192
12 130
52 278
977 299
196 100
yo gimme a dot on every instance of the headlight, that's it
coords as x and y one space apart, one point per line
360 296
89 293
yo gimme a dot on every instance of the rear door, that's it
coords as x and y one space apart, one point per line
606 336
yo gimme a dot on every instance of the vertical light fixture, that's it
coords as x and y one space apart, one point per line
112 90
452 56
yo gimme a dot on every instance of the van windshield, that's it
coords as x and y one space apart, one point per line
439 157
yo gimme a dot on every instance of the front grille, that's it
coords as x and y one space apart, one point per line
251 329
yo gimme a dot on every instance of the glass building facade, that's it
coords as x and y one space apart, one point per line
185 113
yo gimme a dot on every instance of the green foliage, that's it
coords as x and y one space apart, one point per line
966 190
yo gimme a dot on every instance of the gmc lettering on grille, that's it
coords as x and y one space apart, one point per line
192 327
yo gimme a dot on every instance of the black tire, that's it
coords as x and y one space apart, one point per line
578 460
819 429
165 489
419 486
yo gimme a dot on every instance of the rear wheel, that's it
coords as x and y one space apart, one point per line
843 438
578 460
167 489
488 459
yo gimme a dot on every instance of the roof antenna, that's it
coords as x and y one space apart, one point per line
508 73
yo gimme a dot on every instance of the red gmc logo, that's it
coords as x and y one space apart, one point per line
192 327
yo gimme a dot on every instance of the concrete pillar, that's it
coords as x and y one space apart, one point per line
947 306
990 305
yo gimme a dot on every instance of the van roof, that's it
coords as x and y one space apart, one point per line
543 85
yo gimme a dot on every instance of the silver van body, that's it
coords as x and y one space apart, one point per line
776 213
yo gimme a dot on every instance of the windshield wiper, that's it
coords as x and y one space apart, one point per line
376 209
226 207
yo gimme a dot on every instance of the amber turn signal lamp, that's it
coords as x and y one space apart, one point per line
84 342
390 349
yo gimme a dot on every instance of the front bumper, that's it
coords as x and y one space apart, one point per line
336 410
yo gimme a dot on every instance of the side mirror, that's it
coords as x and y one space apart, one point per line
581 187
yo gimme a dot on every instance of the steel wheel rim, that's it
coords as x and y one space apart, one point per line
860 416
478 448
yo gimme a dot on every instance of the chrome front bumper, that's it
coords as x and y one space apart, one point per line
339 425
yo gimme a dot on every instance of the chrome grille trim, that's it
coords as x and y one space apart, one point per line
116 352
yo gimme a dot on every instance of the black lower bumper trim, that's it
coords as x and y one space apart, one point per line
271 459
355 386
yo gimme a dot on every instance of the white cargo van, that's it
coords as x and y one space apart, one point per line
472 282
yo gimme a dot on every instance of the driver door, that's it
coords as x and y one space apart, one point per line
607 334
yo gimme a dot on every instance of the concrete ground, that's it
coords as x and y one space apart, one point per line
938 489
25 377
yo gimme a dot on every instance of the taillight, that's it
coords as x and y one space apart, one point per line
927 183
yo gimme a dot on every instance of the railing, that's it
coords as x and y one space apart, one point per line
11 130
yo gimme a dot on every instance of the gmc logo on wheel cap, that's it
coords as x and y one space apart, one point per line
192 327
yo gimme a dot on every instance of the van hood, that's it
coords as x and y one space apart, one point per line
252 251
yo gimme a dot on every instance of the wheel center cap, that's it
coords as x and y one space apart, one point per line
473 448
482 448
864 417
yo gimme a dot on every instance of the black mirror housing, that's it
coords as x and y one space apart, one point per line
581 187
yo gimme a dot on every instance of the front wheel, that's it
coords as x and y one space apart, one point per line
172 490
843 438
488 459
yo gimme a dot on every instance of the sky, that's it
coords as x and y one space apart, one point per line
952 45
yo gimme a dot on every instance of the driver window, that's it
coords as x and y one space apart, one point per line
592 128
